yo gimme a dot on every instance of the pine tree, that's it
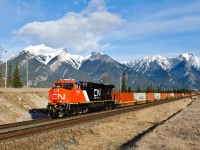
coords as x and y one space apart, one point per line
138 89
10 80
17 80
159 88
129 89
147 89
124 82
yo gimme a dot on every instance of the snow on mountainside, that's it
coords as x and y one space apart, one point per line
191 59
165 63
45 54
144 64
47 64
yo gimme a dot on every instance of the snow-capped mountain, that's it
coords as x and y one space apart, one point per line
191 59
45 54
42 53
164 63
47 64
182 71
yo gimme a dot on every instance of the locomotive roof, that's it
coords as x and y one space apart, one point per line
99 84
91 83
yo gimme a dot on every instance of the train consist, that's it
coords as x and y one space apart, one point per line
68 97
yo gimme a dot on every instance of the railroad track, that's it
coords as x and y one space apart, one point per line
28 128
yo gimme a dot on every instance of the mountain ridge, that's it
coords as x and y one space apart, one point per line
49 64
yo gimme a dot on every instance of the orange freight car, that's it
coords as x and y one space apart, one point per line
163 96
123 99
169 95
150 97
178 95
188 94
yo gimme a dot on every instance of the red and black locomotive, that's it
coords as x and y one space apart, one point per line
69 97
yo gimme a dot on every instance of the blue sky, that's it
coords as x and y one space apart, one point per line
125 30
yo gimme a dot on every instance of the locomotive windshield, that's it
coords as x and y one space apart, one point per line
68 86
58 85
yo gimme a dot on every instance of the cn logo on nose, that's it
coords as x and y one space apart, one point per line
59 96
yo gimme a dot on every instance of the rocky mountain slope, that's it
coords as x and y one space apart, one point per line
47 64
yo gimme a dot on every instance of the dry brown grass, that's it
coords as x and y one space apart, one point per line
180 132
16 103
108 133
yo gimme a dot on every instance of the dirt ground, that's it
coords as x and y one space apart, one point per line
15 104
180 132
109 133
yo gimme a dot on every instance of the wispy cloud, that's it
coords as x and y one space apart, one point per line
175 20
177 12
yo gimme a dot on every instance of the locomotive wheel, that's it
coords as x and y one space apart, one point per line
61 114
85 110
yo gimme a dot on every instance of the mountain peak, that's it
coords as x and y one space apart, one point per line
187 56
157 57
43 50
96 54
191 58
99 56
43 53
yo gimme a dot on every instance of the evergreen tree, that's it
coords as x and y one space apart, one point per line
10 80
152 88
124 82
138 89
17 80
159 88
147 89
129 89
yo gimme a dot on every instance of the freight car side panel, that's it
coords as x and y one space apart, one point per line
157 96
123 97
168 95
140 97
178 95
150 97
172 95
163 96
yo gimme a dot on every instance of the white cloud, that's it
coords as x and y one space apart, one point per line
77 31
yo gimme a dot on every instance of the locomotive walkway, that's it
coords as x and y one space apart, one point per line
28 128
